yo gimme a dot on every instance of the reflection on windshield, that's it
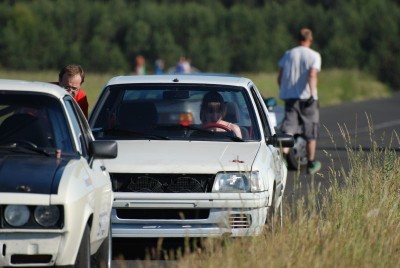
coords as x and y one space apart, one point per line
36 126
176 112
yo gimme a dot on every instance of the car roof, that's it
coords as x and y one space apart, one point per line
32 86
212 79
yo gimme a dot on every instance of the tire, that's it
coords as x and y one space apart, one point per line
297 156
270 220
83 259
103 256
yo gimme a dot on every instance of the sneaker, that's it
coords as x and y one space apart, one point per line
313 167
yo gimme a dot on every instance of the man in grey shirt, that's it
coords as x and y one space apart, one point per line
297 80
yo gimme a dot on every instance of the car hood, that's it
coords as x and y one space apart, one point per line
182 157
30 174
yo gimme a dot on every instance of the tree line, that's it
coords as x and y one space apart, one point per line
216 35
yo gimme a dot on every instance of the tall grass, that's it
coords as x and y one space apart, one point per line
353 223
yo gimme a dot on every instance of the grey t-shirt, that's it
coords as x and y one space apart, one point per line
296 65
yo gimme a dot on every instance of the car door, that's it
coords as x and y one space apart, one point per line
267 131
97 178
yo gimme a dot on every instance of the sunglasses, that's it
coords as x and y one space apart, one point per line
213 110
69 88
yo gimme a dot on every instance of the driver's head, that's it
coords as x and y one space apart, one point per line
212 107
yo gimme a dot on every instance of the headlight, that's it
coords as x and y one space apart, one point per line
256 182
47 216
238 182
16 215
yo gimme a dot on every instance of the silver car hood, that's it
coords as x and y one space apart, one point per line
182 157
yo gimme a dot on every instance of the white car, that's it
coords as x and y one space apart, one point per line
177 177
55 192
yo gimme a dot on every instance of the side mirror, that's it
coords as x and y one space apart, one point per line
103 149
281 140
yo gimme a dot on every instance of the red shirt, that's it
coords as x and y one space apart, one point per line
81 99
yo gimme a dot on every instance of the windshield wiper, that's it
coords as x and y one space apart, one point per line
17 145
128 132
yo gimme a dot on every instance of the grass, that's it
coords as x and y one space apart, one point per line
356 224
335 86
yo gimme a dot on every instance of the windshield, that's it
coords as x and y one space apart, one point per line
175 112
34 121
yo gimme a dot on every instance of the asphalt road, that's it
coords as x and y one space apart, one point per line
354 125
350 125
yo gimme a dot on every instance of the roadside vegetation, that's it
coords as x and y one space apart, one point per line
355 224
216 35
335 86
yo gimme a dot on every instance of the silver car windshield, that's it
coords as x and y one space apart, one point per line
175 112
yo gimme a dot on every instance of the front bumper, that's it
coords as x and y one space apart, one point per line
29 249
208 215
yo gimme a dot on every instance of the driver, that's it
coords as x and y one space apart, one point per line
212 111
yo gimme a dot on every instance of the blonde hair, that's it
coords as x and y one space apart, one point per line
305 34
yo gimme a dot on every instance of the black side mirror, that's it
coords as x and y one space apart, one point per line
103 149
281 140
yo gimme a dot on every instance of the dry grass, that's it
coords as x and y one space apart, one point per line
356 224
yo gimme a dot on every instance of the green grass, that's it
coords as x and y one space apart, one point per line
334 87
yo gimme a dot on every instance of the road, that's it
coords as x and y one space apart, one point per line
351 125
362 121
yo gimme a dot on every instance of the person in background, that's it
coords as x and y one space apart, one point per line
159 66
140 65
297 80
71 77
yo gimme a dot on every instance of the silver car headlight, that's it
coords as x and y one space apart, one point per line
240 182
16 215
47 216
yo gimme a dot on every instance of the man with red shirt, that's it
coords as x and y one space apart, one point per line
71 77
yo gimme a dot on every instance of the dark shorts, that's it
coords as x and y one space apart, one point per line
301 117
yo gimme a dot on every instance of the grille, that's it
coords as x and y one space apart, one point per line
165 214
239 220
145 184
162 183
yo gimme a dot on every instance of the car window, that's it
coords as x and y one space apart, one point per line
80 127
40 122
170 111
261 112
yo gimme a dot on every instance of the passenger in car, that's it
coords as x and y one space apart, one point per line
212 112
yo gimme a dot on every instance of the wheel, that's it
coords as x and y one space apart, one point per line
297 156
83 258
103 256
270 220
